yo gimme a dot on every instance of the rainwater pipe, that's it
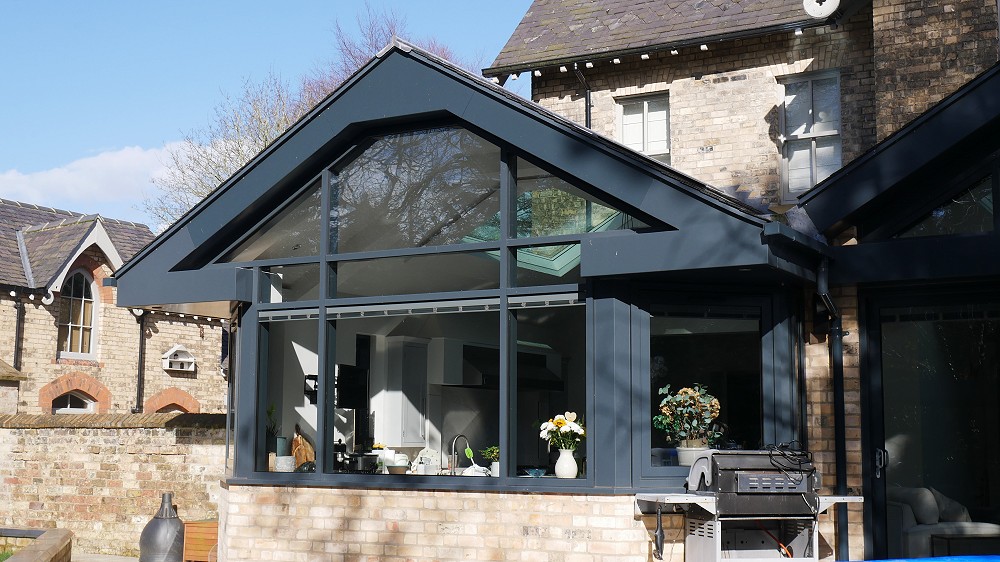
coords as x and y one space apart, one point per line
839 409
18 329
140 375
586 94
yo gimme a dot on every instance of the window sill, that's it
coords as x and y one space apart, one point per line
81 359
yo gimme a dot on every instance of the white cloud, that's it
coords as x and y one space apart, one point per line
112 183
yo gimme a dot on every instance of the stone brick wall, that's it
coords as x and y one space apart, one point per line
724 101
925 50
115 363
101 476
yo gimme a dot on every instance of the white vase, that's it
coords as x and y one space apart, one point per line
687 455
566 464
495 469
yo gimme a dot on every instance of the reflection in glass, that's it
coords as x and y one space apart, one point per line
684 349
548 265
551 379
290 283
415 189
549 206
413 383
292 233
940 389
969 212
465 271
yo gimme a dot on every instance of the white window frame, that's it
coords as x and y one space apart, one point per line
88 409
662 156
787 196
90 353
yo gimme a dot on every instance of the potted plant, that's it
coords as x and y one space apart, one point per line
564 433
492 455
688 419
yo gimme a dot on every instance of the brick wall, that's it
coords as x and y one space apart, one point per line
724 101
102 476
925 50
115 362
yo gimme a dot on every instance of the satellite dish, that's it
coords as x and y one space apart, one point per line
820 9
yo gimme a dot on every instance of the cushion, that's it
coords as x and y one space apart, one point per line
921 501
950 510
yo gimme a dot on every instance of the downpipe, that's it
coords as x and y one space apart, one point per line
140 375
839 407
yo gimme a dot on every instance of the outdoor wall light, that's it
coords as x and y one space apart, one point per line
644 56
798 31
616 61
674 51
704 47
537 73
588 64
563 69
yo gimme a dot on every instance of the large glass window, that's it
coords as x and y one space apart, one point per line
415 189
968 212
810 132
76 315
718 348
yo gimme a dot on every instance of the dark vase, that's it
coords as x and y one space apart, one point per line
162 539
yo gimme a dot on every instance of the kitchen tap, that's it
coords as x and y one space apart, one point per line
453 458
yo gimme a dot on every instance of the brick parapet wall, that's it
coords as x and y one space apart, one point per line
724 101
102 476
927 49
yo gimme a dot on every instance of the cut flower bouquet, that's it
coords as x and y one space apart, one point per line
563 431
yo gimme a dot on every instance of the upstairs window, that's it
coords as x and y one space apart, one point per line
76 315
810 124
646 127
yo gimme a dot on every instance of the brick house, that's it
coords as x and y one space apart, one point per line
68 348
429 263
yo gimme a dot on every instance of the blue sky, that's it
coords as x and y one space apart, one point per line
91 92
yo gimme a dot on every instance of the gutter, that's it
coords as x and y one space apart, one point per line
839 409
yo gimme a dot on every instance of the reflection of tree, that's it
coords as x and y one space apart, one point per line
415 189
294 232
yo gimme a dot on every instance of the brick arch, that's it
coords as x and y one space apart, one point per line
79 382
175 396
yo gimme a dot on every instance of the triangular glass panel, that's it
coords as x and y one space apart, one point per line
415 189
294 232
968 212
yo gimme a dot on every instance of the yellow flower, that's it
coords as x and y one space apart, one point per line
559 422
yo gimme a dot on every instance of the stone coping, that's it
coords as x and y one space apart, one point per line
53 545
113 421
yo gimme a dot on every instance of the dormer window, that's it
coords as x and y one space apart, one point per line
76 315
179 359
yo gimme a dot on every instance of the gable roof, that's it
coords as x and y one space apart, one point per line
555 32
962 127
38 243
405 87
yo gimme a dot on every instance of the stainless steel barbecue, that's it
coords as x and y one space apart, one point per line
749 505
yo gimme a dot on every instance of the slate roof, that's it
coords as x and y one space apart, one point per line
8 373
559 31
50 235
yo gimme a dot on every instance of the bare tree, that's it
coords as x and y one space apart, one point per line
244 125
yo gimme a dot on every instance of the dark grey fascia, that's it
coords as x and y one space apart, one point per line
916 260
970 114
402 88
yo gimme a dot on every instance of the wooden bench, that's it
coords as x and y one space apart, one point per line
200 541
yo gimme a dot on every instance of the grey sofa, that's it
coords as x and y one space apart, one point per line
913 515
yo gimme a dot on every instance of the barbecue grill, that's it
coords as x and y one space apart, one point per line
751 505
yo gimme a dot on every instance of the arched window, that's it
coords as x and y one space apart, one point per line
73 403
76 315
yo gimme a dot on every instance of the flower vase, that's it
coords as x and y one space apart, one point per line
689 450
566 464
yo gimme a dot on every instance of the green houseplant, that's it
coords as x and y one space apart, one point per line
492 456
688 416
